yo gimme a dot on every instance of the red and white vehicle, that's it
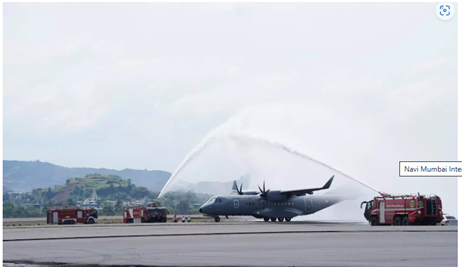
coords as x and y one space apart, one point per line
404 210
72 216
141 214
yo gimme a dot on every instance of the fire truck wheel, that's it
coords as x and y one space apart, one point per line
433 222
397 221
405 221
142 220
373 221
91 221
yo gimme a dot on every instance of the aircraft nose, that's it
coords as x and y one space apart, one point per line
201 210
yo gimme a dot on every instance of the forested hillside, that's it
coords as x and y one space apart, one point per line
25 175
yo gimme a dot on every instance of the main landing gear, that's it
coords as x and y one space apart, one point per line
217 219
266 219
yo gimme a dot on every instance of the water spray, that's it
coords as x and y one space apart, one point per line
193 154
299 154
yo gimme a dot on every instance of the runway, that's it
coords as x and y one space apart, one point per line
232 244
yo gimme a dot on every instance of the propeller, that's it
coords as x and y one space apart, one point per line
239 191
263 191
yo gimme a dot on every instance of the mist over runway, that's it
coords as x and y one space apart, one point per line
232 244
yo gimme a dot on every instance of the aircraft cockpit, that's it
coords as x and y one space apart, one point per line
214 200
211 200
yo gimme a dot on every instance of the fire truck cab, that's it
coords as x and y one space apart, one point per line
404 210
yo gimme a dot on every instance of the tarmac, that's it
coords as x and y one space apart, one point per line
252 243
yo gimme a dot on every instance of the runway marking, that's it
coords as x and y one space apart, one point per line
231 233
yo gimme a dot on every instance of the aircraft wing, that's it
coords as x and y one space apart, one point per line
308 191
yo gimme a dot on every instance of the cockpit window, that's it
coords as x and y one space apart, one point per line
211 200
218 201
369 205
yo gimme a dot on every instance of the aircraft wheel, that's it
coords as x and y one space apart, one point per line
273 219
266 219
288 219
217 219
281 219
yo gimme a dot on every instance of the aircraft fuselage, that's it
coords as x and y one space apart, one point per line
255 205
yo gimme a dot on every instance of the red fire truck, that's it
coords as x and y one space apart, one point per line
404 210
141 214
69 215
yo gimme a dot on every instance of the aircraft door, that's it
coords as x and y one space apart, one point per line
382 212
308 204
236 205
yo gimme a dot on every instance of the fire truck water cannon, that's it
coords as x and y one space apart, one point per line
402 209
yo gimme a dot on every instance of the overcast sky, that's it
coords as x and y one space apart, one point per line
138 85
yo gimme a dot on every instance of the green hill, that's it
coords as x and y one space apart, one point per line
80 188
25 175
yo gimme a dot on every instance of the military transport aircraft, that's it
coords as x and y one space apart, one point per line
269 205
